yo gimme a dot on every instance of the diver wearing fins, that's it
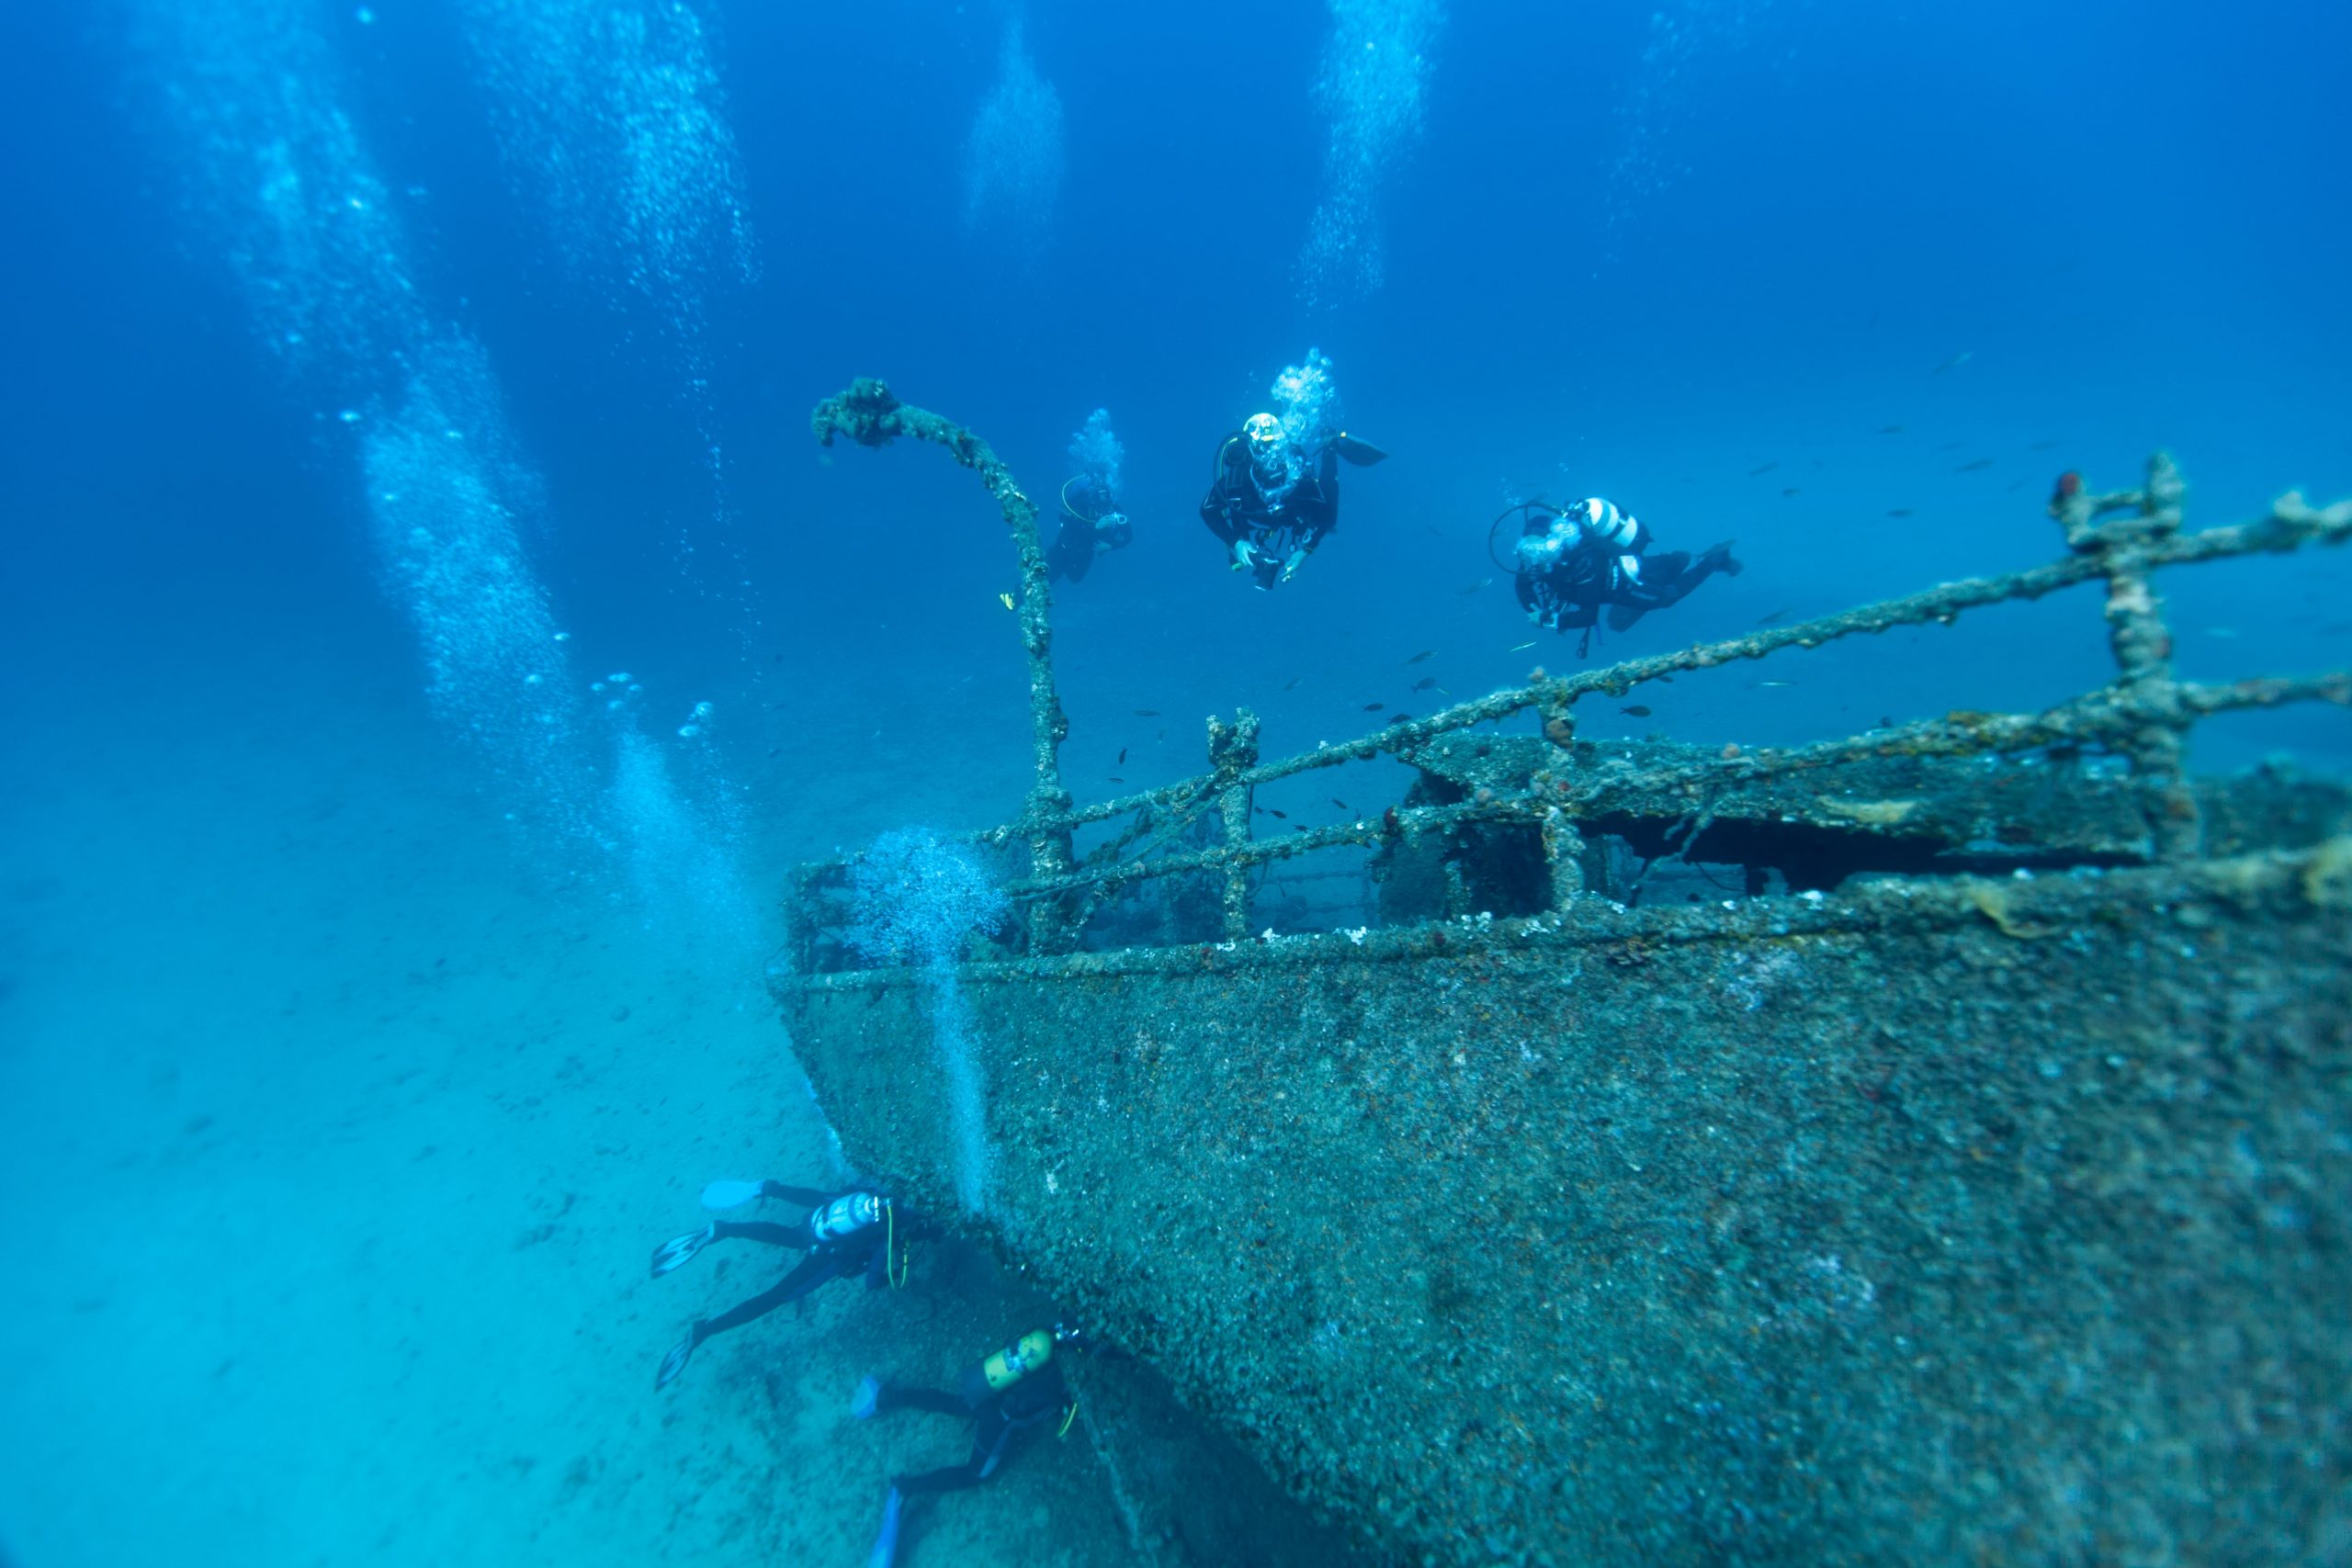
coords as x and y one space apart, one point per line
1092 525
1271 499
1570 564
845 1235
1009 1397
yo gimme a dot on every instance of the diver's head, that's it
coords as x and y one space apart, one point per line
1540 552
1269 445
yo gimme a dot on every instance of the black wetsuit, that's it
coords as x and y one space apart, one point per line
1570 595
862 1252
1235 510
1001 1425
1086 500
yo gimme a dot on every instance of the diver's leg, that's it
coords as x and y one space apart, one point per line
892 1397
989 1450
805 1276
954 1477
766 1231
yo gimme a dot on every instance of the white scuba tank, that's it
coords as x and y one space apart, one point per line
846 1217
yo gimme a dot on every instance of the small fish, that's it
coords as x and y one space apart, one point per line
1951 446
1147 713
1337 802
1521 648
1761 470
1475 587
1974 466
1775 616
1752 686
777 752
1300 827
1123 757
1434 533
2043 447
1400 719
1668 679
1890 430
2220 631
1636 709
1284 814
1115 780
1293 682
1005 600
1425 683
1425 653
1900 512
2011 488
1374 708
1790 491
1954 363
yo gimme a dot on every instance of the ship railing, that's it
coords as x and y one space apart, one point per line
1199 827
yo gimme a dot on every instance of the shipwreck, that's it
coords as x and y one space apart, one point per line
1967 1176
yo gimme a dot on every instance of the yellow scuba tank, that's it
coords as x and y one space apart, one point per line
1006 1367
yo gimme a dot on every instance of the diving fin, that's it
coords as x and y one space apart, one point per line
885 1540
1356 450
679 1250
673 1363
730 1194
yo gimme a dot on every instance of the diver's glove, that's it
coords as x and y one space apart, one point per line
1245 557
1297 559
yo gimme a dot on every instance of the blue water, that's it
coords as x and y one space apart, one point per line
377 976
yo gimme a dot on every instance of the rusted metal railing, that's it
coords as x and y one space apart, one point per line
2120 539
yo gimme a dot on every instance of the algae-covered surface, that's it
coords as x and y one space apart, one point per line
1938 1221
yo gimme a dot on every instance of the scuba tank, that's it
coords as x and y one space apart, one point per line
846 1215
985 1379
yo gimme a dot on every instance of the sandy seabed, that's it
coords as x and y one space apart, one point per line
335 1142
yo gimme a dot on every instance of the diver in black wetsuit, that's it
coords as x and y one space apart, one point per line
1009 1397
1572 563
845 1235
1092 524
1272 504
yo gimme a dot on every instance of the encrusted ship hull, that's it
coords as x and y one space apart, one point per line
1971 1184
1912 1226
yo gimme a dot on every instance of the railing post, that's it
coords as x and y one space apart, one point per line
1563 844
2141 643
1232 750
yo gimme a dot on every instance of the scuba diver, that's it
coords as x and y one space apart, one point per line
845 1235
1093 521
1009 1397
1571 563
1092 524
1271 499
